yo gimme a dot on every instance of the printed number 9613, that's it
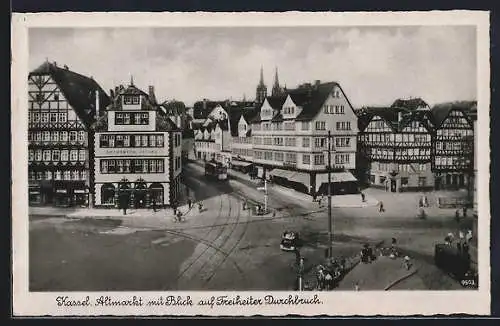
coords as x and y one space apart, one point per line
468 283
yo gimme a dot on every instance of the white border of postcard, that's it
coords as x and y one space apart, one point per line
27 303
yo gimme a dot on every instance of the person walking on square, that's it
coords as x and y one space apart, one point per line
464 210
363 199
457 216
381 208
190 203
154 205
174 207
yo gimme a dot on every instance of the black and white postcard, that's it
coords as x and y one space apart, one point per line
250 163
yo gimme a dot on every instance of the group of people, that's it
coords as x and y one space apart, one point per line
328 276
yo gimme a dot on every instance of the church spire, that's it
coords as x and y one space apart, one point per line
261 82
276 81
261 91
276 86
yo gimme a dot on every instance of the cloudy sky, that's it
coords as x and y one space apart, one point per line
374 65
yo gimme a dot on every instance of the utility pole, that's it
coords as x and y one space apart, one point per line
265 195
330 218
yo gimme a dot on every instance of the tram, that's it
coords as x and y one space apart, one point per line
215 170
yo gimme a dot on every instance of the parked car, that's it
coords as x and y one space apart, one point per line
290 241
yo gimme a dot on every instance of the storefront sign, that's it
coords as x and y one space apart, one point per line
61 191
79 191
34 192
290 165
131 151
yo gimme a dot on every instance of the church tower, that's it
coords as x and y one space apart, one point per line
277 90
261 92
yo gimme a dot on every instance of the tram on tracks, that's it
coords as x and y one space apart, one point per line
215 170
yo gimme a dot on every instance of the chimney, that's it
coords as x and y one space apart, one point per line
152 93
116 90
112 94
400 116
204 104
55 63
316 83
97 108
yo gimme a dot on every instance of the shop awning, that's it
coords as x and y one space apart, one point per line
282 173
301 177
240 163
337 177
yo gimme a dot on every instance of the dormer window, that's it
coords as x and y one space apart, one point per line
130 99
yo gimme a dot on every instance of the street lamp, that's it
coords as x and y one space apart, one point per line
265 194
330 217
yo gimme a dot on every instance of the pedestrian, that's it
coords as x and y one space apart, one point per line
381 208
421 202
464 210
174 208
363 199
328 281
356 286
154 205
461 235
468 237
179 216
457 216
189 202
426 202
314 196
407 263
200 207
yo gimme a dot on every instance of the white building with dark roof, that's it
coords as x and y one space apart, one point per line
290 138
137 153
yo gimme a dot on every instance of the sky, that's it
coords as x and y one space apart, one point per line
373 65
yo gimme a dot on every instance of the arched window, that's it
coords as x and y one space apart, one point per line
108 194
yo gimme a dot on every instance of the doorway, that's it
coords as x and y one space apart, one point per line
393 185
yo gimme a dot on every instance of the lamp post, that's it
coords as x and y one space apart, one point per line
330 217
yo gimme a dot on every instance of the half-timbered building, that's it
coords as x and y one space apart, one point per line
62 105
396 142
453 161
137 153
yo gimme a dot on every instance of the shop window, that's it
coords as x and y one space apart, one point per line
404 181
107 194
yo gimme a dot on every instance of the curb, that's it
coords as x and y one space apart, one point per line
393 283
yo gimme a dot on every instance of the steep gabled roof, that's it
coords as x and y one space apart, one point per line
410 104
202 109
133 90
312 99
78 90
388 114
441 111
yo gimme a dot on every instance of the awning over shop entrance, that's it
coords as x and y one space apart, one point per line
281 173
337 177
240 163
301 177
